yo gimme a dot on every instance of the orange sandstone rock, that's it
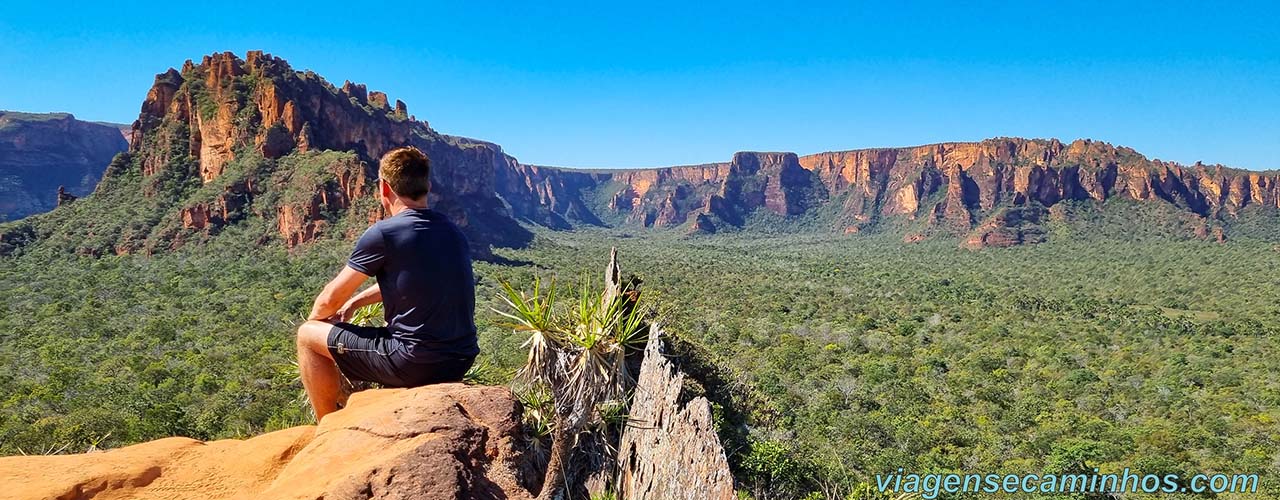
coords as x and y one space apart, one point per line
442 441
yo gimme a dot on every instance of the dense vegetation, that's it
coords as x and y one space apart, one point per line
851 355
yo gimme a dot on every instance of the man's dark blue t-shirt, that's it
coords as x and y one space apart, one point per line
423 266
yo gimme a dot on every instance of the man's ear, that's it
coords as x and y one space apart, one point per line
386 197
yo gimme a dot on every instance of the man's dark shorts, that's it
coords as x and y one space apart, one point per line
372 354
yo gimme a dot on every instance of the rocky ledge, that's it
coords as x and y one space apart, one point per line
442 441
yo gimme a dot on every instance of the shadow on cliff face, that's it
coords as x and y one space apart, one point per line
41 152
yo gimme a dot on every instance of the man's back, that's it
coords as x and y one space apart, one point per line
423 266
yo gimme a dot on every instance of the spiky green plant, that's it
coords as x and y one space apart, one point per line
369 315
538 416
482 372
613 413
295 379
579 356
532 314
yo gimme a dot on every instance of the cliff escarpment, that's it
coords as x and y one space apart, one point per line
40 153
228 140
991 193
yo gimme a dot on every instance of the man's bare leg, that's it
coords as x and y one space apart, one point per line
319 374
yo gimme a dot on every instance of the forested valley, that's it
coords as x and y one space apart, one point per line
844 356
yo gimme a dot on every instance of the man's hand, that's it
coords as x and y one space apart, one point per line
337 292
346 312
368 296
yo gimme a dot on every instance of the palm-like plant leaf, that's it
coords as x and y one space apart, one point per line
533 314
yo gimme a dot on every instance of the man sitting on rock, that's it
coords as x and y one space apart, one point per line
424 281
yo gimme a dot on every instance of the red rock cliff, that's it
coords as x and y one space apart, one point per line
957 188
198 120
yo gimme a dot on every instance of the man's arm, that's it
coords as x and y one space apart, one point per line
367 296
336 293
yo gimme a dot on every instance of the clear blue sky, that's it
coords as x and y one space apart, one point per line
687 82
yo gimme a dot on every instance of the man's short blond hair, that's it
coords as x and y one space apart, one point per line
408 171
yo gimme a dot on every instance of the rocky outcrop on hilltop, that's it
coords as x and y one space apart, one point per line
231 106
198 120
441 441
41 152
